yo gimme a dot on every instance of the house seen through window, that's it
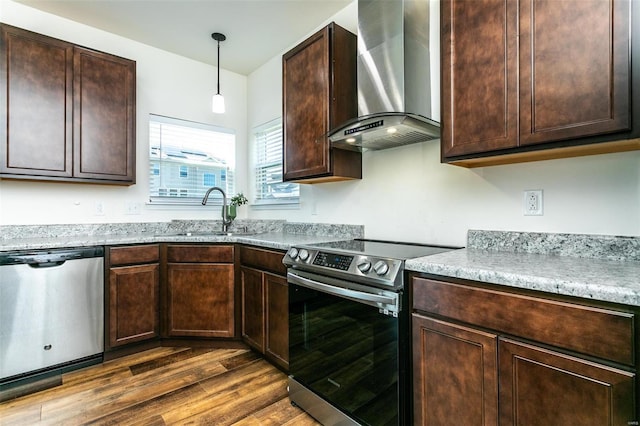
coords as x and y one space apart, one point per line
187 158
269 187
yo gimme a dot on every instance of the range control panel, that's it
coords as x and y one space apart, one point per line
362 268
335 261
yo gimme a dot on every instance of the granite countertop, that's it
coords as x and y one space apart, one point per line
269 234
599 268
276 240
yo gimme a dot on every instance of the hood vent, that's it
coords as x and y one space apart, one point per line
398 76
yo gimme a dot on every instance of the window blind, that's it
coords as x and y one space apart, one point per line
187 158
268 167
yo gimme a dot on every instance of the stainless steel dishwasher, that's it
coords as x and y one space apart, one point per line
51 309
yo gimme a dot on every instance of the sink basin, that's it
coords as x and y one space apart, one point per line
206 234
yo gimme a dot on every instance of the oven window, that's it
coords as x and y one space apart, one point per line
346 352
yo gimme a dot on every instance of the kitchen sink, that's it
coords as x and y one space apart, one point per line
207 234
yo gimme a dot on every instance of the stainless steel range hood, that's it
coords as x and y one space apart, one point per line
398 76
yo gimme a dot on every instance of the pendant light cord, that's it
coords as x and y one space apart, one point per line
217 103
218 67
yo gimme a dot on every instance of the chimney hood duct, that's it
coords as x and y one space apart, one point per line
398 76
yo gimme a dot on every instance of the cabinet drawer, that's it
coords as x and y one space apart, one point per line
148 253
199 254
593 331
266 260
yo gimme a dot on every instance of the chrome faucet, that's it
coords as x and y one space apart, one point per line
225 219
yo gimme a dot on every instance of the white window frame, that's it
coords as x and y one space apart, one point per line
176 196
258 163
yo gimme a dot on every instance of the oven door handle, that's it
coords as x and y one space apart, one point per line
358 296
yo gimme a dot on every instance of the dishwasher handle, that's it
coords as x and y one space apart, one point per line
49 258
42 265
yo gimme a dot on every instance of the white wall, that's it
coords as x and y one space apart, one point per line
406 194
167 84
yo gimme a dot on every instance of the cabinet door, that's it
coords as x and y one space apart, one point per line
319 92
277 319
200 300
253 308
306 108
542 387
479 76
35 104
454 373
133 304
104 116
574 68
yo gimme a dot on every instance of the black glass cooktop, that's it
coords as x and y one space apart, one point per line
389 249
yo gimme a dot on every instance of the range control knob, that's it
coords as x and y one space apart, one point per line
381 267
303 254
364 266
293 253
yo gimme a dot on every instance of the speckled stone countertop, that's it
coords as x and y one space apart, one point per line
604 268
269 234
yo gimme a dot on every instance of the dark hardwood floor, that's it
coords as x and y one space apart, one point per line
164 386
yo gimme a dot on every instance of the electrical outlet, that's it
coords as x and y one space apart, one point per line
132 207
533 202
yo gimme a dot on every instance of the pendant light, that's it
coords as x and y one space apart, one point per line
217 103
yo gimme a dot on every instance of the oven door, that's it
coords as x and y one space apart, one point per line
344 347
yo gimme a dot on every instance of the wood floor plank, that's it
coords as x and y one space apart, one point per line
234 380
87 405
302 419
25 416
172 386
239 360
152 364
89 373
227 388
229 408
93 376
276 414
60 393
144 412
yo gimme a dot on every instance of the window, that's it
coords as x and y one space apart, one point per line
209 180
187 158
268 167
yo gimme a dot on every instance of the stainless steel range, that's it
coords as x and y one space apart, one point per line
349 330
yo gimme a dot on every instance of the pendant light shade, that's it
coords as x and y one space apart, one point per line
217 103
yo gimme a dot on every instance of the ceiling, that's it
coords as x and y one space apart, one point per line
256 30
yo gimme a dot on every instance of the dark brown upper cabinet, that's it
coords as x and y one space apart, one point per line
66 112
319 93
521 76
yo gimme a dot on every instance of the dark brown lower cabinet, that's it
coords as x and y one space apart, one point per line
543 387
265 319
455 379
486 356
200 291
253 320
134 307
265 304
277 319
133 294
